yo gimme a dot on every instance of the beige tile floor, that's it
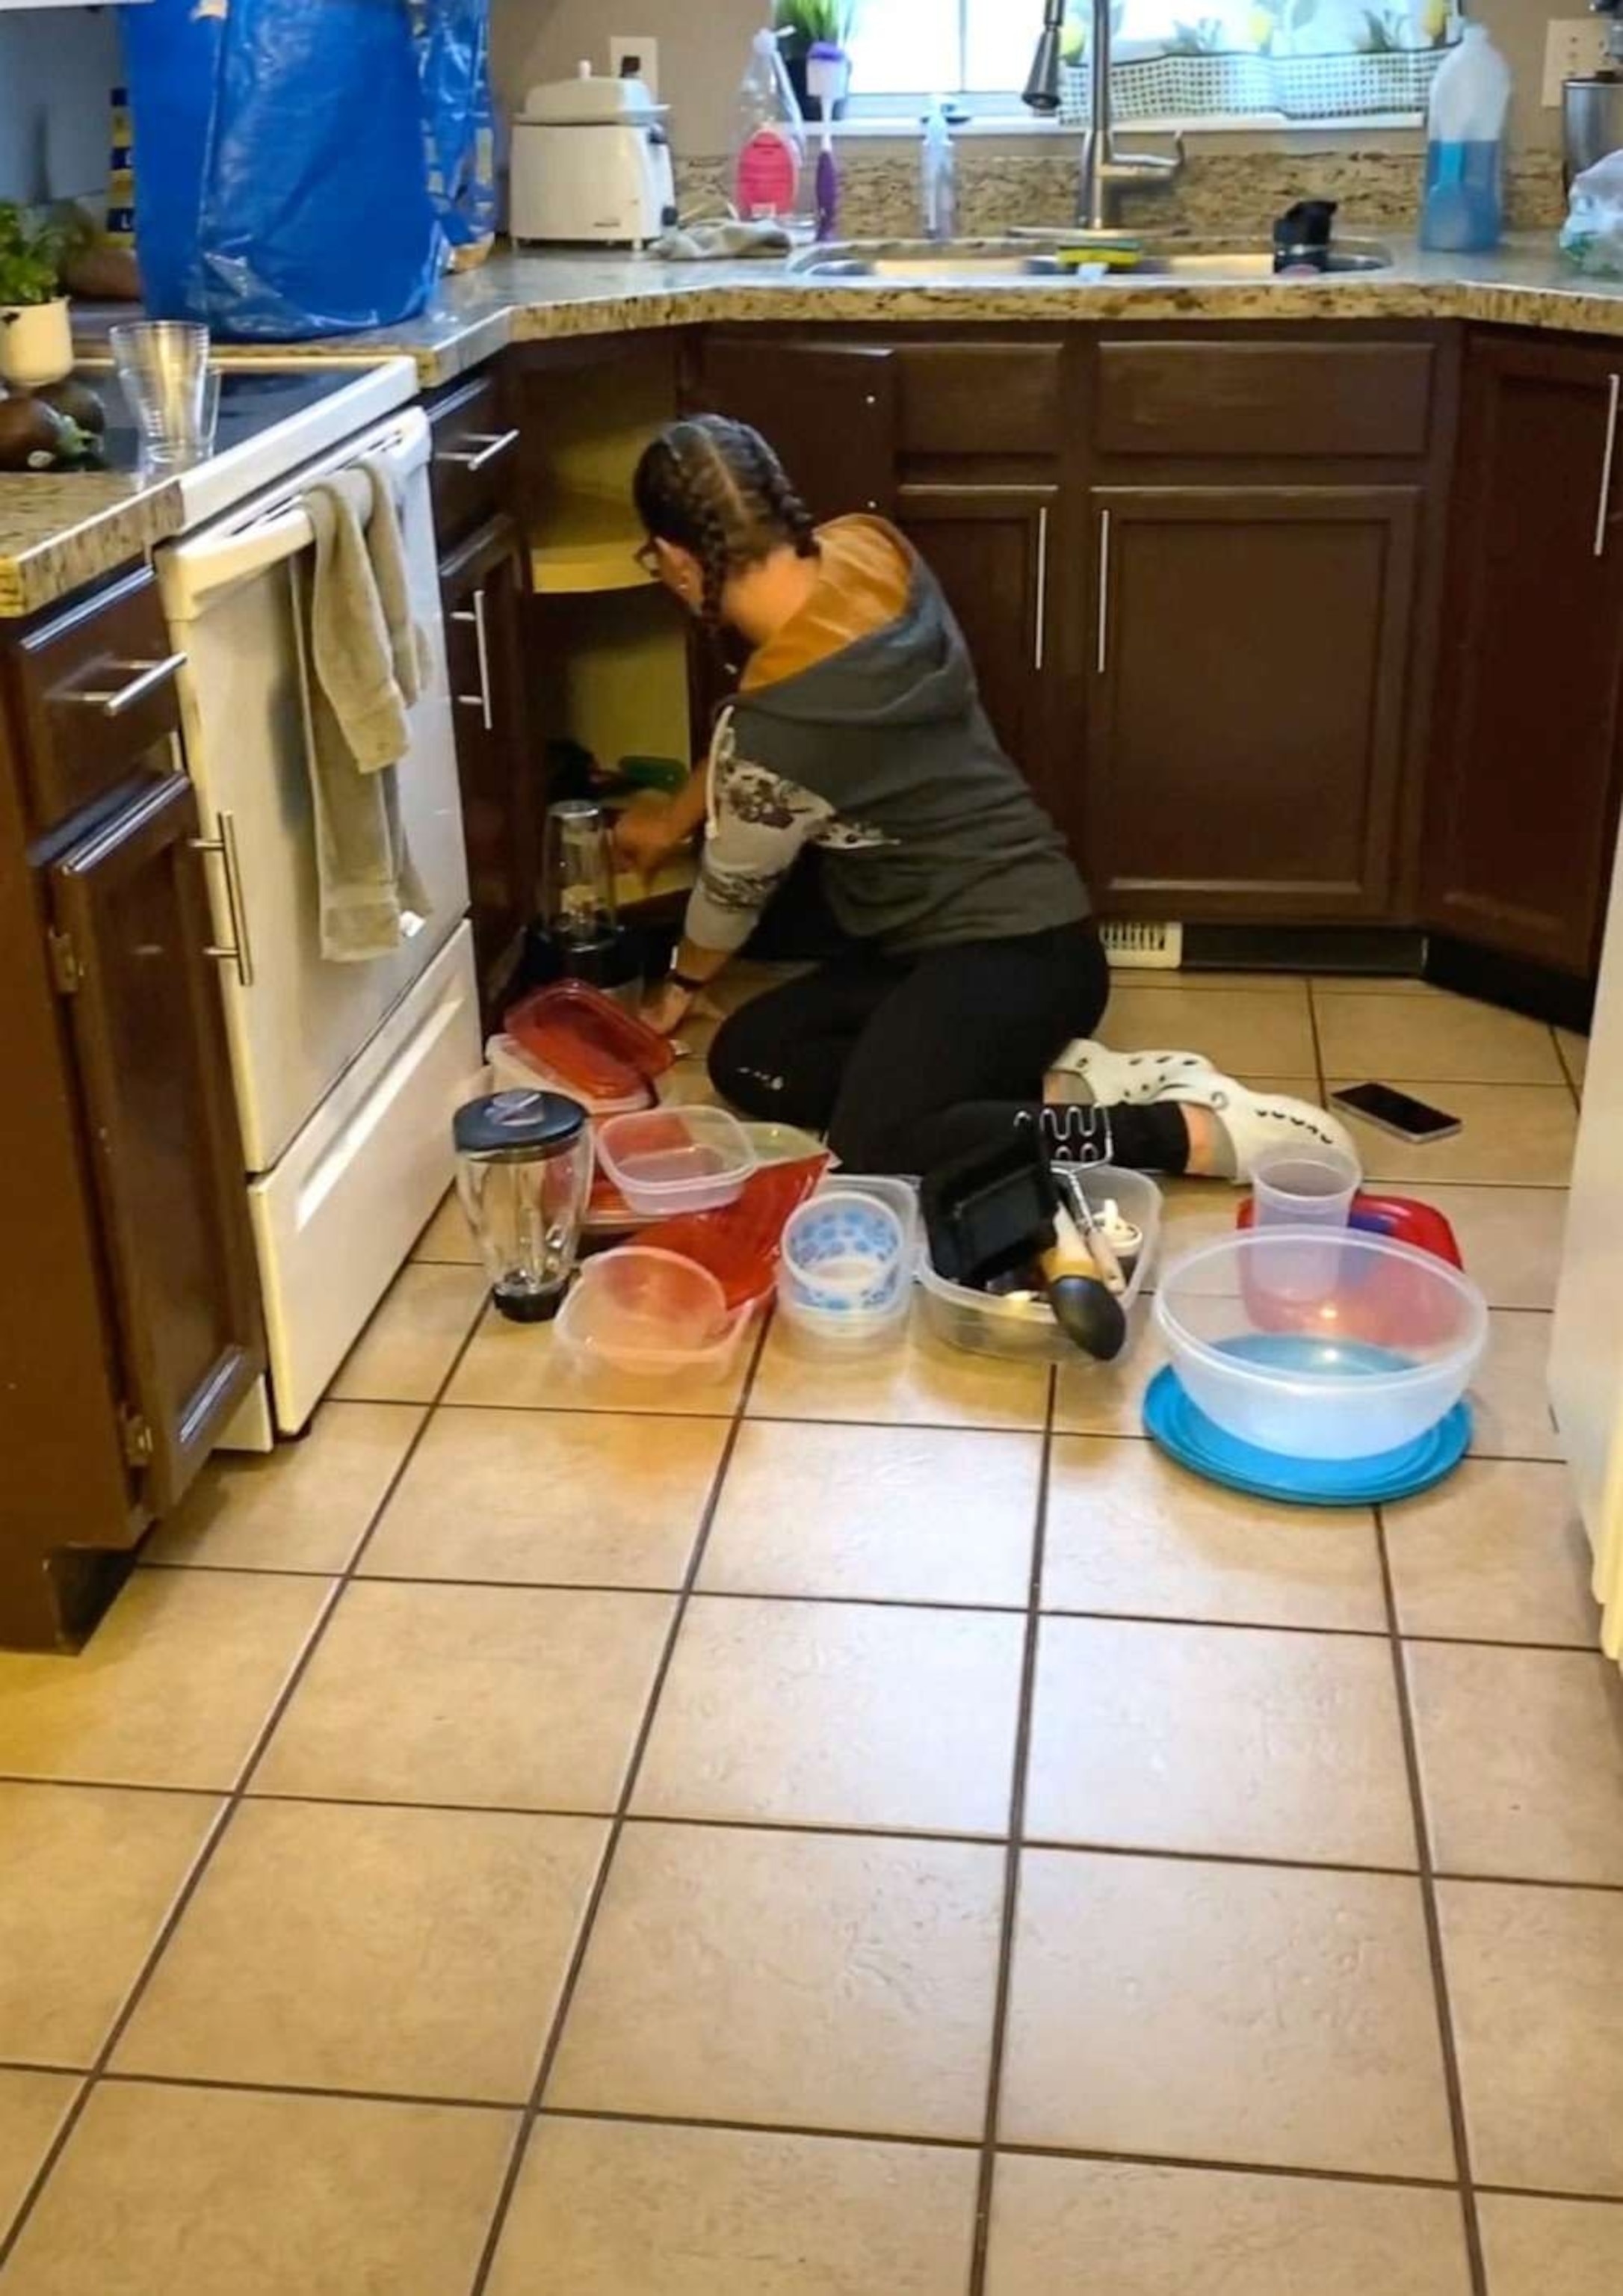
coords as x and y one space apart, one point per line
848 1832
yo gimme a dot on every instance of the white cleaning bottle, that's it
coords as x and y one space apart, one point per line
1463 208
939 165
769 145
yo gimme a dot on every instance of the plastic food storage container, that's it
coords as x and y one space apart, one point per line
844 1251
514 1070
987 1323
675 1159
652 1315
1317 1346
595 1046
848 1327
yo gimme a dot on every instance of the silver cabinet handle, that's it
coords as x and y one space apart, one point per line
481 700
487 445
1615 386
1105 592
1040 634
224 844
112 701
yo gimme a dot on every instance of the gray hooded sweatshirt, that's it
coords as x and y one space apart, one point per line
859 729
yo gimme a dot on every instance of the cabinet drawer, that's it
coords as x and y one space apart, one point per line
475 455
1274 399
95 698
980 399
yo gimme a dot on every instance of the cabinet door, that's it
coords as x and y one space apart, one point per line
1521 795
155 1079
1246 728
993 549
484 590
829 411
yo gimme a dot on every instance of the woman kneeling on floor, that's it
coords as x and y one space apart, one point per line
968 976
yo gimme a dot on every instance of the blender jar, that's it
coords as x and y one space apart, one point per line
583 936
524 1172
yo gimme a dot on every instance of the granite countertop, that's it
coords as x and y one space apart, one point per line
58 532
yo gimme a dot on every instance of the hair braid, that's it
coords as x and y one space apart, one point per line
715 488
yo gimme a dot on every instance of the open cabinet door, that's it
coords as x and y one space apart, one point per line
827 410
155 1076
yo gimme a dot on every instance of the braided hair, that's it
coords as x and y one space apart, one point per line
715 488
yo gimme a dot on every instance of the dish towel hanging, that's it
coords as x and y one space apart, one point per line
365 663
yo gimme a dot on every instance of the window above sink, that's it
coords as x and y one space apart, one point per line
1253 63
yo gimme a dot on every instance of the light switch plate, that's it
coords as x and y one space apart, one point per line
630 51
1573 47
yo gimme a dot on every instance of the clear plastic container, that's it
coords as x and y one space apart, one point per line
652 1314
675 1159
1316 1346
845 1252
989 1324
850 1329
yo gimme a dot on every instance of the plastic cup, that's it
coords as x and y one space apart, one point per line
163 365
1304 1187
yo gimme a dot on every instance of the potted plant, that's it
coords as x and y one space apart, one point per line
35 343
800 25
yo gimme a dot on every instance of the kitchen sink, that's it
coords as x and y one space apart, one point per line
974 260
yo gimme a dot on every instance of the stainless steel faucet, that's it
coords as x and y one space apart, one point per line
1106 173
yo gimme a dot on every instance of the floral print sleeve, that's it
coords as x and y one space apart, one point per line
758 822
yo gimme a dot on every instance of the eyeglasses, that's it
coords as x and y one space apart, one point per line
648 558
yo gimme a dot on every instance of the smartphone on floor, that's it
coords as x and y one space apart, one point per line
1397 1113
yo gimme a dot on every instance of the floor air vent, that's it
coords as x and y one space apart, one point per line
1158 948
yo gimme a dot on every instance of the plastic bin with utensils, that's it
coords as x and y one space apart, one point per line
1018 1321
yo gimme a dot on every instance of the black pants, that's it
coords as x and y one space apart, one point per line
906 1064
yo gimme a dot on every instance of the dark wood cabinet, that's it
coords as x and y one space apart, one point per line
828 411
129 1307
1246 721
1521 799
131 945
995 550
484 589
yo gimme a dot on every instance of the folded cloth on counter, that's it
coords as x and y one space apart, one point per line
365 664
713 242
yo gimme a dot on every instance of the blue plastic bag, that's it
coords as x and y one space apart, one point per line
282 190
459 118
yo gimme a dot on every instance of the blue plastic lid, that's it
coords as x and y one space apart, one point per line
518 1124
1184 1433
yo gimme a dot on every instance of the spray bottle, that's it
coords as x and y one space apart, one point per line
825 69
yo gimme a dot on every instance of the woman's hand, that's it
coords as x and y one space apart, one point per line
667 1008
647 835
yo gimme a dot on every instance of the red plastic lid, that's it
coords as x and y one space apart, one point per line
588 1040
1403 1219
738 1242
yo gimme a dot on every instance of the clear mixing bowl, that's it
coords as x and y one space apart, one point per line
1318 1345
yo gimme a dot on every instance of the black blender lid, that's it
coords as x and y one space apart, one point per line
516 1124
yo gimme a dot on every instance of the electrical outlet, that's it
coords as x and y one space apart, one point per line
1574 46
630 55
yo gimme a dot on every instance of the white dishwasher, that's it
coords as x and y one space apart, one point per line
346 1074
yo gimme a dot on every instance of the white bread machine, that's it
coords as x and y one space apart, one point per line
591 162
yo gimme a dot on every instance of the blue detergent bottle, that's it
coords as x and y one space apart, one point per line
1463 208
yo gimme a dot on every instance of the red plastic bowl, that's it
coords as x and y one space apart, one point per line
588 1040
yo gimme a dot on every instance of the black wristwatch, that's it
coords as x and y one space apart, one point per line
680 979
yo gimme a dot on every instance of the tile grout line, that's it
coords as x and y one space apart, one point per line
532 2108
981 2247
229 1804
1452 2081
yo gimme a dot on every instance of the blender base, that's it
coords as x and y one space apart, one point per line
529 1306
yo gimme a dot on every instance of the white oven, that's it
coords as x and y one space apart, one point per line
346 1074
